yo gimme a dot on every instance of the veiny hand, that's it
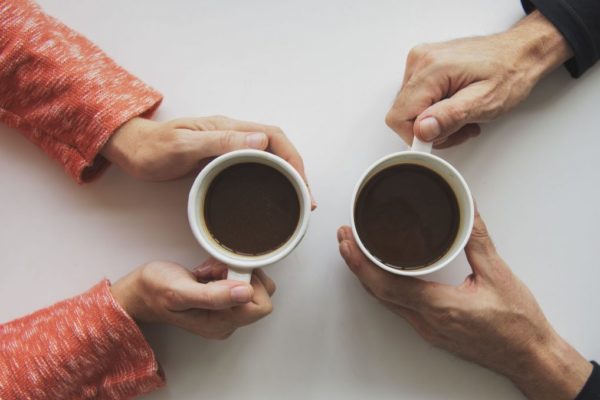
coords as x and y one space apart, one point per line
158 151
450 87
491 319
199 301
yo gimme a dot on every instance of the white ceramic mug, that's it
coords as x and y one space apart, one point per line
420 154
241 266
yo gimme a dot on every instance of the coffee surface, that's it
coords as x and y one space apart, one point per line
407 216
251 208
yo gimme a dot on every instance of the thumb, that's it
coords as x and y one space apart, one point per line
216 295
447 116
480 250
215 143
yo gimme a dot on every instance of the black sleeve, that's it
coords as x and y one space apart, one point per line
591 390
579 23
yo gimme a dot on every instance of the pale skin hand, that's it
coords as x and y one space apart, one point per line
159 151
199 301
491 319
451 87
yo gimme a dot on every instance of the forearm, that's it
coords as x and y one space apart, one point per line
82 348
555 370
539 46
61 91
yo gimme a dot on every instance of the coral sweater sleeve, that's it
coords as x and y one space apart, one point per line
62 91
86 347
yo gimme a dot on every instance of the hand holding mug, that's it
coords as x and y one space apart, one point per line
158 151
199 301
491 318
412 212
451 87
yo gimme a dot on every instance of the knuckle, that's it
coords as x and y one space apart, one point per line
209 299
174 144
171 299
416 52
218 119
419 52
480 232
491 104
266 309
456 113
391 119
214 122
226 140
205 123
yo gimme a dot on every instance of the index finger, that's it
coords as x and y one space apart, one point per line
416 95
405 291
279 144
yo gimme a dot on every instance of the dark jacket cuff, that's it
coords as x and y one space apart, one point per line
591 389
565 17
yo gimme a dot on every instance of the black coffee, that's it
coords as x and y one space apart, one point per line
407 216
251 208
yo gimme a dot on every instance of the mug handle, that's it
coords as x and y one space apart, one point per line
421 146
239 275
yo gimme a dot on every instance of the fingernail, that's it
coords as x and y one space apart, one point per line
240 294
313 202
203 269
256 140
430 129
341 234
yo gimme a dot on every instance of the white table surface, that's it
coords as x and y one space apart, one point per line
325 71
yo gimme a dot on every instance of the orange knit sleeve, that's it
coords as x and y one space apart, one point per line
62 91
86 347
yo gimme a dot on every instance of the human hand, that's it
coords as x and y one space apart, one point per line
158 151
449 88
491 318
198 301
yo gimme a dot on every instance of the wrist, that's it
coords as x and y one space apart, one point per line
124 291
120 148
554 369
540 47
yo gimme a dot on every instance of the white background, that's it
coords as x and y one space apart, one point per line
326 72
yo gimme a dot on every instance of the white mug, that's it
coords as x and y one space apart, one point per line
420 154
241 266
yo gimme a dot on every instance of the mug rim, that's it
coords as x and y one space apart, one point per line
436 266
249 262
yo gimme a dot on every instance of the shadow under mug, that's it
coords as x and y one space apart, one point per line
420 154
240 266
